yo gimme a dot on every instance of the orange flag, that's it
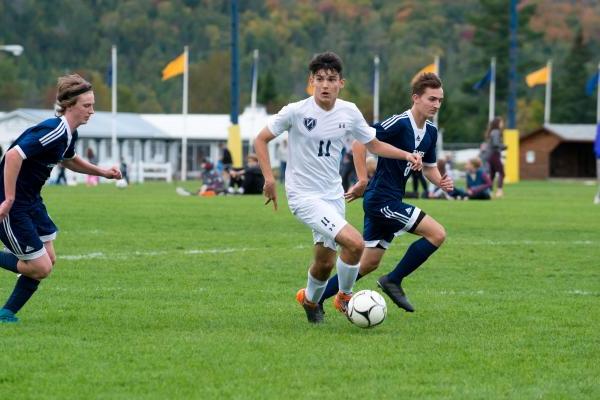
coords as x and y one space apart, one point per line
539 77
309 89
428 68
174 68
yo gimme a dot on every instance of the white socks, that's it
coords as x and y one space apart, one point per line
346 275
314 288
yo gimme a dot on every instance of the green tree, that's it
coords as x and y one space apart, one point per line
569 102
11 90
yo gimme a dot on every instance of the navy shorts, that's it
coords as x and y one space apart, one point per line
26 229
384 221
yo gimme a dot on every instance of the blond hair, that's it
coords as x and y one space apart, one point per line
68 88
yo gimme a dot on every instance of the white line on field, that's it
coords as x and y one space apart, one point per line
226 250
162 253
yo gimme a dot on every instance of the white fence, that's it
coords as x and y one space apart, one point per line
141 171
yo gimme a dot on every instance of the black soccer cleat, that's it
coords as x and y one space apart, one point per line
395 293
314 311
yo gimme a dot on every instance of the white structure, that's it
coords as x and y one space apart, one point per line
147 138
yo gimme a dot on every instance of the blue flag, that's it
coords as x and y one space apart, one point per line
591 85
484 81
108 76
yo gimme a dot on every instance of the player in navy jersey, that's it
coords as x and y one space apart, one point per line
386 215
25 227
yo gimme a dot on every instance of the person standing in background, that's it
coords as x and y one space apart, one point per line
492 153
597 151
91 180
282 155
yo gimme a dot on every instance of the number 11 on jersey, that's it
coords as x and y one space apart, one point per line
321 143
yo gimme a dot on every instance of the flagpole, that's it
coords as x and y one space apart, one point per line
254 79
492 111
548 101
184 115
436 61
598 96
255 56
113 83
376 90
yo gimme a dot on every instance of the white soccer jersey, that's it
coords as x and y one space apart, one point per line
315 141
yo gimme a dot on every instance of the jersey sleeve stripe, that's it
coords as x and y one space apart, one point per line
52 136
21 152
392 120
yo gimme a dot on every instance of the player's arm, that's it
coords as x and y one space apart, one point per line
386 150
78 164
261 146
432 173
12 165
359 153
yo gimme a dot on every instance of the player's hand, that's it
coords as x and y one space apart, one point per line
446 184
416 163
270 192
113 173
356 191
5 207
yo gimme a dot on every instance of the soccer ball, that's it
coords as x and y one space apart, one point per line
121 183
367 309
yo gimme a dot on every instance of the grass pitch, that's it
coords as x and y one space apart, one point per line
156 296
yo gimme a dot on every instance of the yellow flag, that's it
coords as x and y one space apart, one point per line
539 77
310 90
428 68
174 68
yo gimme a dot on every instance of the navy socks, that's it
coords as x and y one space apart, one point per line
8 261
24 289
418 252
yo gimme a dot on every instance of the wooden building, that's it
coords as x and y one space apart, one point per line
558 151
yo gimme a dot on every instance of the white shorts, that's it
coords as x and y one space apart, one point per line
326 218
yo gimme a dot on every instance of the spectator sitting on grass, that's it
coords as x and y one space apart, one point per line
248 180
212 183
479 183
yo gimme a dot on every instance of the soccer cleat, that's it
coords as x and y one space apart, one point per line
7 316
340 302
314 311
395 293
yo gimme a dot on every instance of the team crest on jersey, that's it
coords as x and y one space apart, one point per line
310 123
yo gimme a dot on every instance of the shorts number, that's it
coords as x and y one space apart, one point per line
321 143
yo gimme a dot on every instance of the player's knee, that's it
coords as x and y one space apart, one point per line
42 272
52 260
438 236
355 249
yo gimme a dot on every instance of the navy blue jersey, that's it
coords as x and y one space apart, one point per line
391 175
42 147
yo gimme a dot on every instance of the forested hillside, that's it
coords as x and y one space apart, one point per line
61 36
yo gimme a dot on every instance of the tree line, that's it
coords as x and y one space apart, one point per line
76 36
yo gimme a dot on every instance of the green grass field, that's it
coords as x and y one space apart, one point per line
157 296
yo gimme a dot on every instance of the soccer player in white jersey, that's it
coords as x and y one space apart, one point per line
317 128
25 227
386 214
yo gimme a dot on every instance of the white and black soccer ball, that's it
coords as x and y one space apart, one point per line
367 309
121 183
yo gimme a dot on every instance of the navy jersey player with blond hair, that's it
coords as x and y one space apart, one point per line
386 214
25 227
